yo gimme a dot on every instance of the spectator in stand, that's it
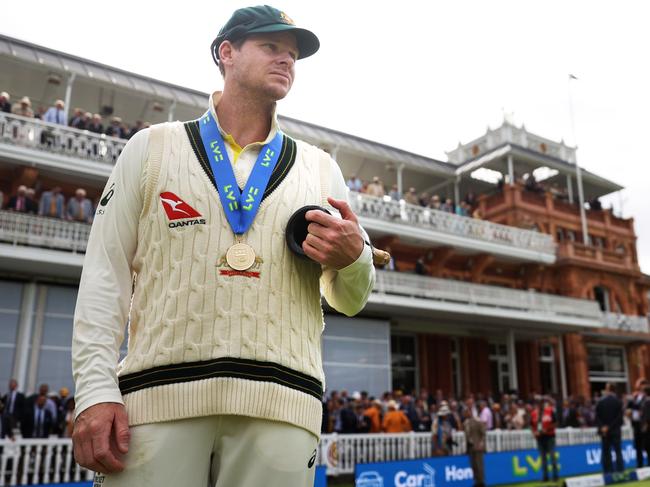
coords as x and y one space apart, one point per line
375 188
373 413
635 405
23 108
61 405
2 200
354 183
411 197
21 202
82 121
348 417
423 199
485 415
40 112
444 425
475 435
115 128
38 420
471 199
543 422
5 106
139 125
645 421
68 418
420 269
609 419
363 421
77 116
14 409
448 206
570 414
434 202
95 124
395 421
422 415
497 417
394 193
56 114
477 214
462 209
80 208
52 203
595 205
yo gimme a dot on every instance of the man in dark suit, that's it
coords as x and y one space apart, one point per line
14 408
22 202
635 404
37 421
609 419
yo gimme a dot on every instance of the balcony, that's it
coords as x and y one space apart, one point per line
435 227
495 304
620 322
36 143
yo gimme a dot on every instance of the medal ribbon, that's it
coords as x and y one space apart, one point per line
240 206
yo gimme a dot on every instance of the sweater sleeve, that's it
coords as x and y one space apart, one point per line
105 288
347 290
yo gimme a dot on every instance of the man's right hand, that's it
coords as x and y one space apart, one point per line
101 437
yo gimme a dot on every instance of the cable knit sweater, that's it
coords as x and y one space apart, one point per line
203 338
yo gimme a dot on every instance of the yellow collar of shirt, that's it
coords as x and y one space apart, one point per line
228 139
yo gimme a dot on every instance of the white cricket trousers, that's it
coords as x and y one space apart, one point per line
217 451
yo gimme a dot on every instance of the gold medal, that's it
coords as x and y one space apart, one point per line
240 256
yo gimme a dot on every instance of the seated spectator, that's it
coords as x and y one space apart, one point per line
462 209
5 106
395 421
115 128
23 108
52 203
95 124
394 193
471 199
80 208
354 183
448 206
375 188
139 125
411 197
56 114
434 202
21 202
76 117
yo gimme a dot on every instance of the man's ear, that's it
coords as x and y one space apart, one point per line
226 52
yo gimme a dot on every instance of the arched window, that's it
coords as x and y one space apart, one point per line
601 294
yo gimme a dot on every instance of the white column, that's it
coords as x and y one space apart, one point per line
37 339
512 361
172 109
511 170
68 93
569 187
562 368
581 202
24 333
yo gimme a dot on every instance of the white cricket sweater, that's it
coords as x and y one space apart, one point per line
203 338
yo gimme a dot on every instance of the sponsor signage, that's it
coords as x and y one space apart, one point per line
321 477
500 468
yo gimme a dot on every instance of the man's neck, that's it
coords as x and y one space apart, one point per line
245 118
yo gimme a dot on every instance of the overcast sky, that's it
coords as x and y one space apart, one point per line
416 75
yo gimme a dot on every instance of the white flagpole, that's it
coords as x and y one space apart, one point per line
581 194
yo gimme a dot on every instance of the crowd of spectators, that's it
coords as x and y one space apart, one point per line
396 412
80 118
467 207
37 416
51 203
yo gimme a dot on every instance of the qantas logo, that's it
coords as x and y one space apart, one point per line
177 209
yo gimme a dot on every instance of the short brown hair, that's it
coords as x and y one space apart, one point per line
235 44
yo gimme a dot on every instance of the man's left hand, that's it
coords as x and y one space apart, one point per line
331 241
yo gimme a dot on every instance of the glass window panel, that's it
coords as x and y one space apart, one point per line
10 295
373 380
355 352
356 328
596 359
57 331
61 300
54 369
6 365
8 327
614 362
404 380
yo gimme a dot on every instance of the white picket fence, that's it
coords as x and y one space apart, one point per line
24 462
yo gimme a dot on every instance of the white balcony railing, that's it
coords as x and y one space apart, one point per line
441 221
484 295
36 461
617 321
38 231
31 133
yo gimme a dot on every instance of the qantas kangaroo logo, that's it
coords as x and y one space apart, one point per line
177 209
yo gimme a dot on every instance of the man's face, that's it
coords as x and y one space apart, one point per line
13 385
264 64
